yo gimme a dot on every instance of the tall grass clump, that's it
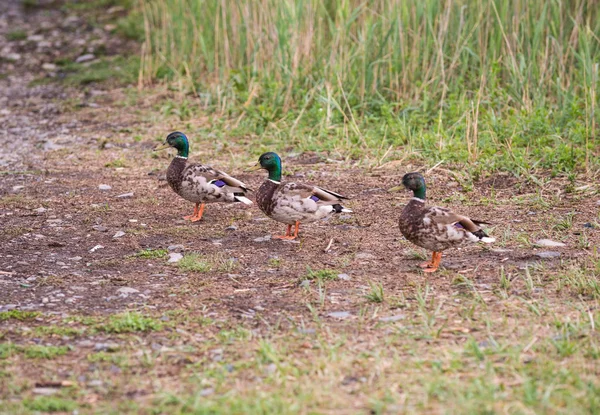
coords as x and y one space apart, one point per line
508 83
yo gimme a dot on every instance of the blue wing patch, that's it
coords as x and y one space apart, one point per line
315 198
219 183
458 225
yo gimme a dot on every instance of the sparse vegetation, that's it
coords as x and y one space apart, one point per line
151 253
324 274
130 322
18 315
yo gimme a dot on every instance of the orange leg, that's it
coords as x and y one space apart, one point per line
287 235
429 264
198 215
436 258
193 215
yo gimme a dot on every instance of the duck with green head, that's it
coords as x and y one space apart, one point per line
435 228
197 183
293 203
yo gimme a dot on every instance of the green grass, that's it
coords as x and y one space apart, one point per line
489 84
324 274
16 35
19 315
50 404
151 253
194 263
129 322
43 352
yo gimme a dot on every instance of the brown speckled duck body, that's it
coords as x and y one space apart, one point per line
200 184
435 228
293 203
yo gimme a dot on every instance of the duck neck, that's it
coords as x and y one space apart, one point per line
183 149
419 193
275 173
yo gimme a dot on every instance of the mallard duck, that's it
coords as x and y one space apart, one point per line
293 203
435 228
198 183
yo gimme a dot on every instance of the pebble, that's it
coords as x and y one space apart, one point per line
118 234
100 228
12 57
7 307
85 58
106 347
395 317
40 210
127 290
305 284
17 188
344 277
95 383
175 248
547 254
548 243
263 238
104 187
75 258
175 257
231 228
45 391
125 195
339 314
50 67
365 255
207 391
94 249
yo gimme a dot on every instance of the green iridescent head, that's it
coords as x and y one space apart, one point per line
271 162
178 141
416 183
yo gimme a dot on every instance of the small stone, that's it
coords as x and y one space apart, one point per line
85 58
125 195
175 248
119 234
75 258
231 228
104 187
106 347
365 255
94 249
263 238
589 225
17 188
12 57
8 307
305 284
100 228
395 317
344 277
127 290
45 300
548 243
207 391
45 391
175 257
50 67
339 314
95 383
40 210
547 254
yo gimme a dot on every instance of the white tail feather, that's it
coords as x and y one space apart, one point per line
347 210
243 199
487 240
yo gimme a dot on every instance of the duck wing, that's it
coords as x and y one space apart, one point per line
214 176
